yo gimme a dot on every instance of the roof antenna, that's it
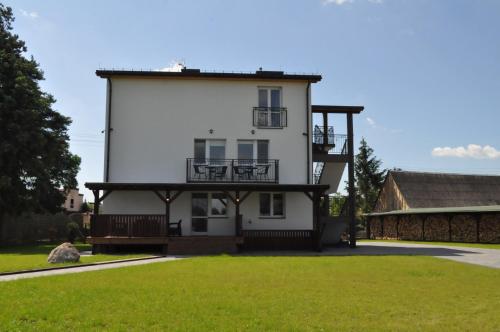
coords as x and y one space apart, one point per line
260 68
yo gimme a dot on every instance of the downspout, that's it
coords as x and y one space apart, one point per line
308 92
108 128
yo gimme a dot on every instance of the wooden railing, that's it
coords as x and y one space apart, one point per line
278 239
128 225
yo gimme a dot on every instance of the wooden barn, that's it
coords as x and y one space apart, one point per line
437 207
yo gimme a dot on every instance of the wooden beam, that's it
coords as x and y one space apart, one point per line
106 193
96 201
230 197
245 196
177 194
308 194
352 199
160 196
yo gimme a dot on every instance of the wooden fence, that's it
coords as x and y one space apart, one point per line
128 225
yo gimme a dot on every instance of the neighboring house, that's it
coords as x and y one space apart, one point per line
74 200
227 160
437 207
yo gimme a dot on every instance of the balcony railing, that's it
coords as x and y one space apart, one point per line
329 142
232 170
269 117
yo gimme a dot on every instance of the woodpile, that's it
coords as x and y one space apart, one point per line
464 227
489 228
410 227
436 228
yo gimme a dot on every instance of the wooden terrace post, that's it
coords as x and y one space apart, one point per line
352 200
167 211
97 202
237 219
316 219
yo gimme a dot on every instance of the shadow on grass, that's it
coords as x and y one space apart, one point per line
378 250
38 249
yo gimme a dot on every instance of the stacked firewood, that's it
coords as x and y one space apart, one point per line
463 228
436 228
489 228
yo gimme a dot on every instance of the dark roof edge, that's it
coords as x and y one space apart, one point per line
196 73
441 173
439 210
336 109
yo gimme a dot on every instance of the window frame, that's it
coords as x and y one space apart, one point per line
269 116
271 207
255 148
209 198
208 143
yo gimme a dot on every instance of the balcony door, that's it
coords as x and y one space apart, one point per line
251 151
270 106
209 151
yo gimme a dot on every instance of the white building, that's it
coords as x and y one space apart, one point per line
230 155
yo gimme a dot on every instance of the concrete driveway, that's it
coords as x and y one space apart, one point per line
485 257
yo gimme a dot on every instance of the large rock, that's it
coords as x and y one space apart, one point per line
64 253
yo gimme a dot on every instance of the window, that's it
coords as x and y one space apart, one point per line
249 149
245 150
270 112
209 149
270 97
204 206
272 205
199 151
218 204
262 151
199 213
72 203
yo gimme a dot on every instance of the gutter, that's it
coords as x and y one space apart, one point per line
308 92
108 128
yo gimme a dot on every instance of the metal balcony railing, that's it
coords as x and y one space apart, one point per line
232 170
330 142
269 117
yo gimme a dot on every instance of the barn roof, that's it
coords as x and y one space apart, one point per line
433 190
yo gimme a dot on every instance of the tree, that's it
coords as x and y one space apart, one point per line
35 161
369 178
84 207
337 202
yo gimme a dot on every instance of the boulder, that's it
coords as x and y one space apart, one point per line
64 253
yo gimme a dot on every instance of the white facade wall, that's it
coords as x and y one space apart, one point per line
155 122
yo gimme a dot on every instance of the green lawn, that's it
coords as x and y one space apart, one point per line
451 244
381 293
16 258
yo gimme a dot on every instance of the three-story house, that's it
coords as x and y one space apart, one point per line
204 162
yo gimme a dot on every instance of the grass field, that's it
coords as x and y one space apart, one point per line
451 244
381 293
16 258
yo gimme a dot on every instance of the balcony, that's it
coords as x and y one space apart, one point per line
329 142
269 117
232 170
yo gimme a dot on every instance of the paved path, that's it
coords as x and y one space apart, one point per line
485 257
87 268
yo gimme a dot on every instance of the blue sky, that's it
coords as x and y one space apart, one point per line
427 71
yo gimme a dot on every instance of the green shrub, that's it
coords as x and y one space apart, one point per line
30 228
